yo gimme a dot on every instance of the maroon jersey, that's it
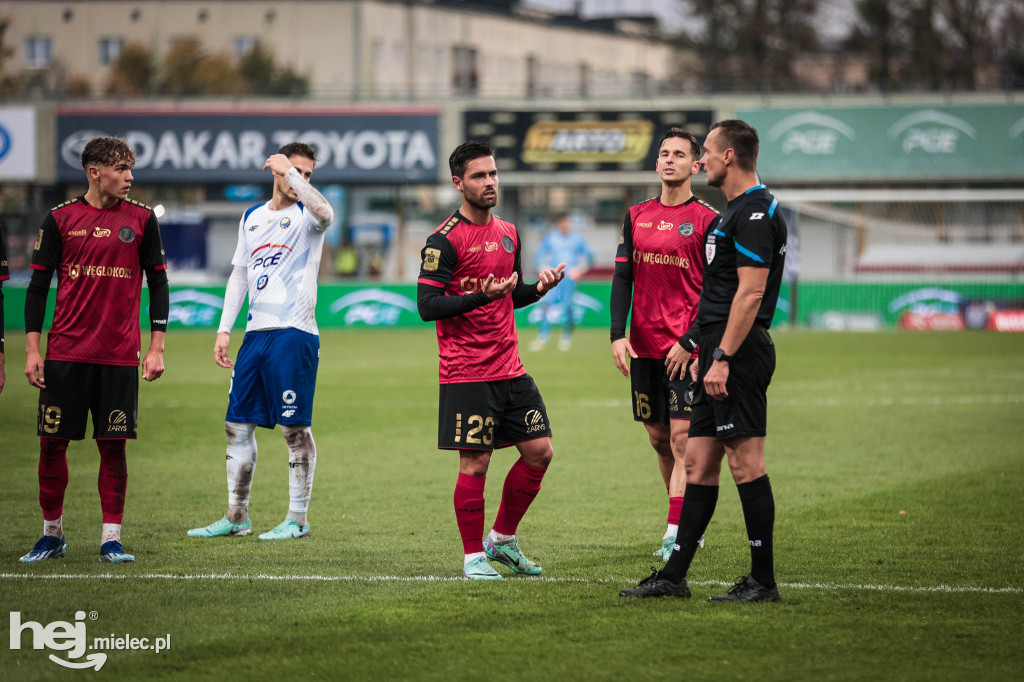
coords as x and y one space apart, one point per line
99 255
665 245
481 344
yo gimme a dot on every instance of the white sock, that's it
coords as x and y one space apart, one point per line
241 463
301 466
499 538
111 531
473 557
54 528
672 531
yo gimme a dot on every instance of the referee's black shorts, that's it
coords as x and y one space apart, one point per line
745 411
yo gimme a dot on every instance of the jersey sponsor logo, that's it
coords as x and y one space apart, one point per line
490 246
931 132
508 244
261 282
39 240
74 270
288 414
661 259
665 225
117 421
686 229
271 260
78 233
534 420
756 216
100 232
475 249
126 234
288 396
725 427
709 248
644 224
782 251
431 259
103 271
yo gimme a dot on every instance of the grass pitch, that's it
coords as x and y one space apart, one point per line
895 461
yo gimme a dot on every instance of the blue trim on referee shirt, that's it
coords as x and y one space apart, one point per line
718 233
747 252
771 209
755 188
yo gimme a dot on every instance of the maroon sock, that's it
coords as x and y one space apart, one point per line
675 508
469 511
521 486
113 479
53 476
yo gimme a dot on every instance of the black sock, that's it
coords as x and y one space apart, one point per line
698 508
759 515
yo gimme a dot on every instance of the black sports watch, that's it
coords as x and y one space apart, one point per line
720 355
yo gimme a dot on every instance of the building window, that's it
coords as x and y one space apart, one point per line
465 78
244 45
584 84
38 52
110 49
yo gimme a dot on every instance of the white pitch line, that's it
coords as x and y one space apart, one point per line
949 589
883 401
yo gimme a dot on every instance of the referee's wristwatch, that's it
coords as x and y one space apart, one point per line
720 356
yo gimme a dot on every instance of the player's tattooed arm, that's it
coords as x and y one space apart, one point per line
314 202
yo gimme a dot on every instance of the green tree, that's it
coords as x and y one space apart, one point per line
133 71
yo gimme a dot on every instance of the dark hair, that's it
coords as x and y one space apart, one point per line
107 151
298 149
742 138
686 135
466 152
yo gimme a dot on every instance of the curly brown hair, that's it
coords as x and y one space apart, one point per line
107 151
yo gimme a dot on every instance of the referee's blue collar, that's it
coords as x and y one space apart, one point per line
755 188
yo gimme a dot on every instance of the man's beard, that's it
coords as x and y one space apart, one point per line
481 202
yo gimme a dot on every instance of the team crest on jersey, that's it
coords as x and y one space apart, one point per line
431 258
508 244
709 248
262 282
126 234
686 229
100 232
74 271
286 222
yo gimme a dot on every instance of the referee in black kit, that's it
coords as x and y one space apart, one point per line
745 257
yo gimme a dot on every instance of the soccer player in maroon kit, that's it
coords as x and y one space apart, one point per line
469 283
98 244
659 268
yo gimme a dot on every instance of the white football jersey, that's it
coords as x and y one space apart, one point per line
280 251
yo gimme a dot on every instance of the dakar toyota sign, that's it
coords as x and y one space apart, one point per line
231 146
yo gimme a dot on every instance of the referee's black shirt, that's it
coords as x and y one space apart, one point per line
752 233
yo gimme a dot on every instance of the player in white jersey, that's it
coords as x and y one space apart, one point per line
276 262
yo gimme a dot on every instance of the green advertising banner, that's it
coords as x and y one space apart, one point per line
820 304
886 143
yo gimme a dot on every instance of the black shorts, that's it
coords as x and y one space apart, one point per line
73 389
745 411
488 415
656 400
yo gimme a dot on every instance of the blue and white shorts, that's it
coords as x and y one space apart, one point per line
274 378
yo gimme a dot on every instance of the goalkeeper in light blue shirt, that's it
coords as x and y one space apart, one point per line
561 245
